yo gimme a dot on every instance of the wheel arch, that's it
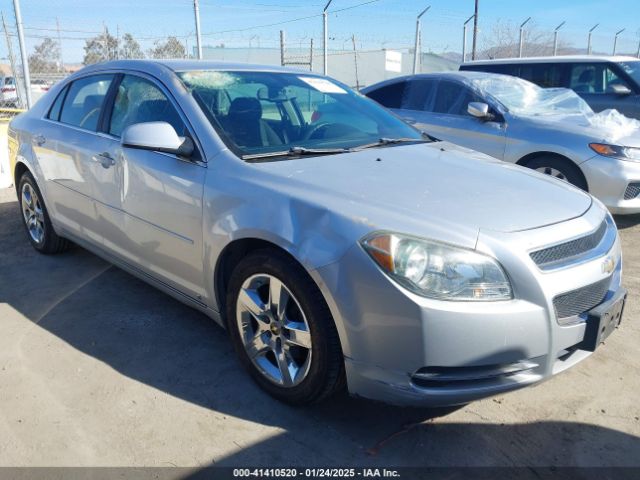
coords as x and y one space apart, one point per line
237 249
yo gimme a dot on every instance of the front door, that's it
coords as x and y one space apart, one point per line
446 118
153 219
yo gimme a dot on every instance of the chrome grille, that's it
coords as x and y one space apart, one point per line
632 191
560 253
581 300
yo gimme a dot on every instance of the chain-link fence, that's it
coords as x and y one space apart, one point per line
82 33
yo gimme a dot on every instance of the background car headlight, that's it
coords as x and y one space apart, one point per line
616 151
438 271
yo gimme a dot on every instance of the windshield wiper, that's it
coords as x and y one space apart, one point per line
393 141
295 152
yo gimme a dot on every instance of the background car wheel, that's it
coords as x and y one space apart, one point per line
282 329
561 168
36 218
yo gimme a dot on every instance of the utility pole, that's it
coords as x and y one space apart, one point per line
196 12
555 38
615 40
475 32
589 40
522 37
464 38
60 59
311 55
325 37
416 48
23 52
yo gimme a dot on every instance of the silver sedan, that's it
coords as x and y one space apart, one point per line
334 242
553 131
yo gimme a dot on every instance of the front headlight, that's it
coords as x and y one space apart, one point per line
616 151
436 270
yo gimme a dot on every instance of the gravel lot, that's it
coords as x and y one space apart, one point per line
99 369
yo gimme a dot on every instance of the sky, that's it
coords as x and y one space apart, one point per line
375 24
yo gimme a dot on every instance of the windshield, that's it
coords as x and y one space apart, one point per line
260 113
632 69
523 97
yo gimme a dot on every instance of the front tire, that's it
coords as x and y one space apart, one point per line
561 168
35 218
282 329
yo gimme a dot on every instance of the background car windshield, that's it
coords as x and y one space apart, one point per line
263 112
523 97
632 69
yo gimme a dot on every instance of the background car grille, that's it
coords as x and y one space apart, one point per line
557 253
632 191
581 300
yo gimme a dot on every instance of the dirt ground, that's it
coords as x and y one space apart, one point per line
99 369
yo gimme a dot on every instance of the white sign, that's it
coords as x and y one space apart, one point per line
322 85
393 61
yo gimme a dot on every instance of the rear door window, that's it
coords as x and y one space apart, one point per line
389 96
83 104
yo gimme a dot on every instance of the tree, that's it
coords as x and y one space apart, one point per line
130 47
45 57
503 41
101 48
171 48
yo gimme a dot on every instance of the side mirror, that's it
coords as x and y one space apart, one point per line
156 136
479 110
619 89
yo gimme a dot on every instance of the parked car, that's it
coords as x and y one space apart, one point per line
419 272
552 131
603 82
9 94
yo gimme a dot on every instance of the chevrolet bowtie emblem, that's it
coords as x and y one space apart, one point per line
608 265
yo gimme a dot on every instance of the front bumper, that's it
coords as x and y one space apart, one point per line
608 180
392 337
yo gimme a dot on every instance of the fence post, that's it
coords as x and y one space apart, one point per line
311 56
23 53
282 47
522 37
325 37
355 59
416 46
196 12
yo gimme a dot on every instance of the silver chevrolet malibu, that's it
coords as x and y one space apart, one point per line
335 243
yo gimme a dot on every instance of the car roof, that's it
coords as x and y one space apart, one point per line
557 59
186 65
465 76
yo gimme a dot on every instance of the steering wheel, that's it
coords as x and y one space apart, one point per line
314 129
88 116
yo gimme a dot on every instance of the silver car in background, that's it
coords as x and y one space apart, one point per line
416 272
550 130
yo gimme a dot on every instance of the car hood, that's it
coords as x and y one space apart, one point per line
608 126
438 190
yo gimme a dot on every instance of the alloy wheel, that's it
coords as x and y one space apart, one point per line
554 172
32 212
274 330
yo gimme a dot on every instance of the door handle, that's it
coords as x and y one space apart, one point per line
104 159
40 140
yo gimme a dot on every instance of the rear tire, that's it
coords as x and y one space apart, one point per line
287 341
559 167
35 218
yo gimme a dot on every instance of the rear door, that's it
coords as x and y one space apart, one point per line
595 83
152 208
445 117
66 147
